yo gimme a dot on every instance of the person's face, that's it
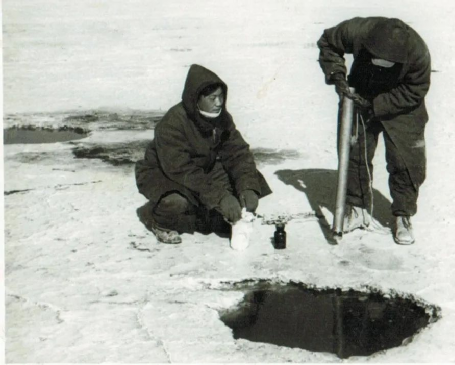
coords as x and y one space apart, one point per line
213 102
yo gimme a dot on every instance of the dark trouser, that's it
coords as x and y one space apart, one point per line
175 212
404 193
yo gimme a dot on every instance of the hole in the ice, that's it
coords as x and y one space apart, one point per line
41 135
346 323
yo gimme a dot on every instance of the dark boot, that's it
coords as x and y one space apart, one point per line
162 235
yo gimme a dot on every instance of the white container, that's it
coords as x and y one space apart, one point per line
241 230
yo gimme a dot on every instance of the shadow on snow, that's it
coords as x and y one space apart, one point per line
320 187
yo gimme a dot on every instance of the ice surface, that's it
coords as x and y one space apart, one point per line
86 282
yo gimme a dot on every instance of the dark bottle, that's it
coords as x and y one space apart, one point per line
279 236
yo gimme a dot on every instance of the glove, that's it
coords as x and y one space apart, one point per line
341 85
364 105
249 200
360 102
230 208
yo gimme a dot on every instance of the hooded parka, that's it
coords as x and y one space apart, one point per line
398 99
397 93
188 148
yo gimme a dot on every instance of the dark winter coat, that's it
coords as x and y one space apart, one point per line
187 146
397 94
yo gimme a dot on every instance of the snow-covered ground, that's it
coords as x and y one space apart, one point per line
86 282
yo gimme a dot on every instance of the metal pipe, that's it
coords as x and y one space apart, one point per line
345 131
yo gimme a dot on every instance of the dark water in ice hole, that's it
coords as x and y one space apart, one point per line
18 135
344 323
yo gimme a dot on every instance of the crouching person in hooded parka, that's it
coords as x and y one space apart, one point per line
198 172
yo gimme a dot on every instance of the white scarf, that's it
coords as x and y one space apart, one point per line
210 115
382 63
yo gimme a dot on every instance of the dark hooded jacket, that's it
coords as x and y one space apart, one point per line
397 93
187 146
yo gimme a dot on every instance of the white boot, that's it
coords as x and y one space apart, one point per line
403 232
355 218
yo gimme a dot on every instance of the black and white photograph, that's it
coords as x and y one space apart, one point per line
196 181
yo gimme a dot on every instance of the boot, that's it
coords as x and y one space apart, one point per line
166 236
355 218
403 231
162 235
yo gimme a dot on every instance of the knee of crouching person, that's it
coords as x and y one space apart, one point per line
173 203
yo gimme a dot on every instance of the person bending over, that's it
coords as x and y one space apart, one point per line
391 77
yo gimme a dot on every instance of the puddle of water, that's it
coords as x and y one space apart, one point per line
344 323
18 135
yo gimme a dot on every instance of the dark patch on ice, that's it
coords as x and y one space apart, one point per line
319 185
139 247
63 128
33 157
67 170
31 134
113 153
118 120
346 323
435 71
89 120
180 49
57 187
127 153
10 192
82 118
